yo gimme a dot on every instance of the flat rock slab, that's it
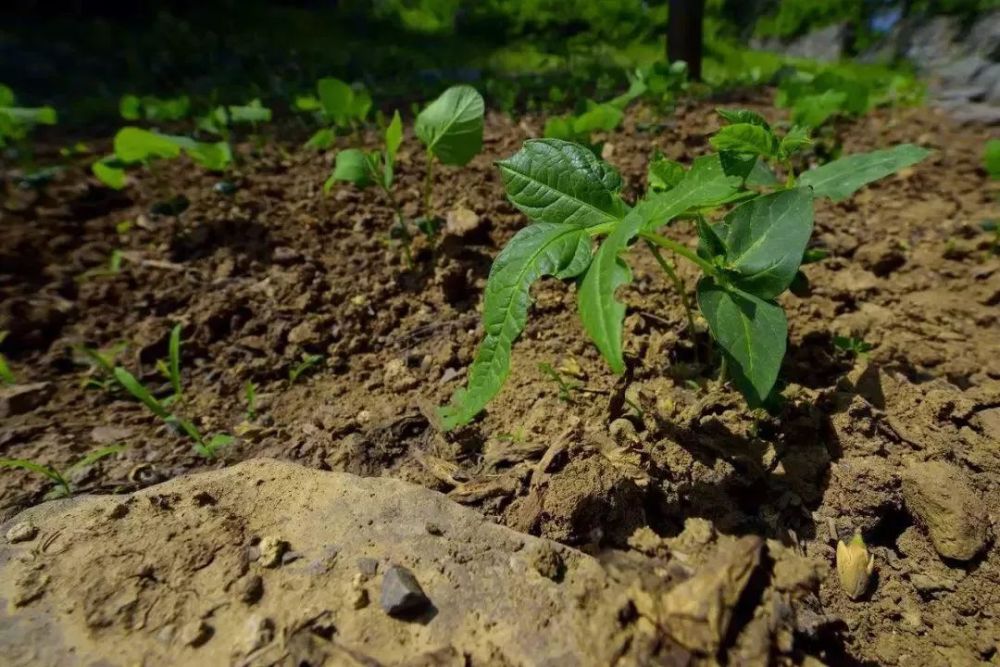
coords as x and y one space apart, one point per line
164 576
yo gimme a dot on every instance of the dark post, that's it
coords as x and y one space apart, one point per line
684 34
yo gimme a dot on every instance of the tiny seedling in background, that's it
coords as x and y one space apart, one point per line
250 391
852 345
565 388
170 368
136 146
6 375
63 487
154 109
113 268
308 362
338 106
451 128
16 123
102 363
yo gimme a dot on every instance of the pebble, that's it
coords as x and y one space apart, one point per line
401 593
271 550
461 222
938 494
252 589
368 566
195 633
22 532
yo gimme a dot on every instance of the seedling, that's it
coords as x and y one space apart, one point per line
16 123
134 145
113 268
451 129
338 106
206 447
747 259
6 375
63 486
154 109
854 346
308 361
221 119
250 391
102 362
598 117
171 367
565 388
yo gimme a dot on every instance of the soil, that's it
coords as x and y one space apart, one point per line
277 270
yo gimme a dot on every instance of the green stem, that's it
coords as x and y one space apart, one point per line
671 272
680 249
722 371
428 183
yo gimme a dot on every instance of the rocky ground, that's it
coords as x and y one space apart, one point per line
690 529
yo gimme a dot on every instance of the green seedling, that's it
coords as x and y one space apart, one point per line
154 109
136 146
338 106
366 168
102 363
63 487
206 447
451 129
16 123
6 374
113 268
565 388
170 368
598 117
250 392
308 362
991 158
852 345
747 258
221 119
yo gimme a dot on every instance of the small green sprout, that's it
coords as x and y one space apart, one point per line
113 268
206 447
852 345
250 392
154 109
134 145
16 123
338 106
102 362
63 486
308 361
6 374
565 388
171 367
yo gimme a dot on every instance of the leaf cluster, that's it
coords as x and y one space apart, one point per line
17 122
134 146
338 106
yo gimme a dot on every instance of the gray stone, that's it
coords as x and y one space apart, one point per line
401 593
20 398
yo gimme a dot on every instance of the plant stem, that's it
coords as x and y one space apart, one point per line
671 272
722 371
680 249
403 227
428 183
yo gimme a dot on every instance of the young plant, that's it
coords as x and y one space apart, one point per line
451 129
6 375
308 361
221 119
852 345
171 367
134 146
113 268
16 123
206 447
102 363
338 106
250 392
63 486
747 258
154 109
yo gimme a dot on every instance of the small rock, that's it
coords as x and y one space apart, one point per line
259 633
271 549
434 529
22 532
939 495
358 595
21 398
461 222
252 589
367 567
195 633
401 593
104 435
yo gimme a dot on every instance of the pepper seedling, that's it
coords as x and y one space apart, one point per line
747 258
338 105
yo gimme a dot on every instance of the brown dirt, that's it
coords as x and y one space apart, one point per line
277 270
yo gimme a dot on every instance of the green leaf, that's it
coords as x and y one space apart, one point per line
746 138
139 391
109 174
841 178
814 110
765 238
354 166
361 104
321 140
7 97
991 158
752 333
174 359
130 108
393 140
133 144
761 175
706 185
93 457
37 468
739 116
543 249
212 156
796 139
336 98
663 173
30 116
254 112
559 127
598 118
307 103
452 125
551 180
